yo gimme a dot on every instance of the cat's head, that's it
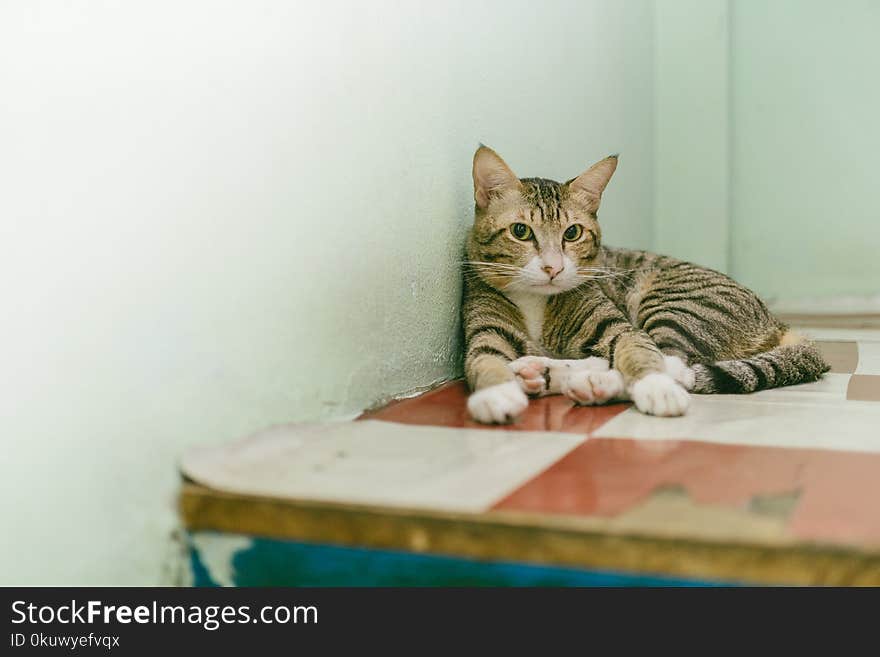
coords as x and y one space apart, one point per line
531 234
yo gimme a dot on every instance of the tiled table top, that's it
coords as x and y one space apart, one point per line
781 486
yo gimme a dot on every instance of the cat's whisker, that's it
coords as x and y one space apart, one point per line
489 265
485 267
607 267
501 271
606 270
589 273
597 276
474 275
490 270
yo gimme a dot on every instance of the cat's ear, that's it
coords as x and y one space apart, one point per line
491 176
592 182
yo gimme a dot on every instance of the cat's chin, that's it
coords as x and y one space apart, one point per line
547 290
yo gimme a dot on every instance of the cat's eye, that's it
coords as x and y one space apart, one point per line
521 231
573 233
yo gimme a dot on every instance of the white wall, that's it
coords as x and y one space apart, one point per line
221 215
691 157
806 147
768 144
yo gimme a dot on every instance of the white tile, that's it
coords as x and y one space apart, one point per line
869 358
830 388
748 420
383 463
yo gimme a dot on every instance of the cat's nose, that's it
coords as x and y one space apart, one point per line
551 270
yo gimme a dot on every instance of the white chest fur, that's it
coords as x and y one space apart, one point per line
532 307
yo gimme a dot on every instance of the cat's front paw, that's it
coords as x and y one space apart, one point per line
539 375
591 387
659 394
498 404
678 370
531 373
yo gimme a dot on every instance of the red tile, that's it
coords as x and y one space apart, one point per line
863 387
836 493
841 355
446 406
841 499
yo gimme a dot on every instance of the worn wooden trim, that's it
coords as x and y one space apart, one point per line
538 539
868 320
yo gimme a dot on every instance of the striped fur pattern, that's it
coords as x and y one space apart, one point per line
555 292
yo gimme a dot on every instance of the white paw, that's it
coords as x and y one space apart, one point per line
590 388
531 373
676 368
498 404
659 394
593 364
538 375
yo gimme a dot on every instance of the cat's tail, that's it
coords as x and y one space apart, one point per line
784 365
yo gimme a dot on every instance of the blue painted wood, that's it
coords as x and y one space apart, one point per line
269 562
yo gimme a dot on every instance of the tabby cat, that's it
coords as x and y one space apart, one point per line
548 309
